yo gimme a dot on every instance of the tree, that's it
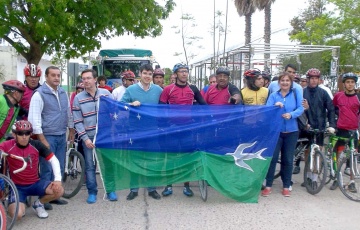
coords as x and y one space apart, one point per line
189 39
35 27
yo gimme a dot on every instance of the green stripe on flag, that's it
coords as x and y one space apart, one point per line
123 169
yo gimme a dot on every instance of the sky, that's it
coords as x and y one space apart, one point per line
165 46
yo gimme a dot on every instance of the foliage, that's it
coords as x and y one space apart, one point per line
190 41
168 73
35 27
318 27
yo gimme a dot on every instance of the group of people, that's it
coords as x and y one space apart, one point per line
45 115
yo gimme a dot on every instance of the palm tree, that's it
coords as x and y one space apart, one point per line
266 6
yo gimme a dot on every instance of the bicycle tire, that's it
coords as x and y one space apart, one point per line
344 179
6 187
318 177
74 178
2 217
203 189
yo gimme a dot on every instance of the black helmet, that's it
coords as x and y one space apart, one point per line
349 76
223 69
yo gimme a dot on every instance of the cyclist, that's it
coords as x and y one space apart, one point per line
292 108
180 93
32 75
222 92
143 92
28 182
128 78
158 77
267 78
254 93
318 105
347 106
303 81
9 105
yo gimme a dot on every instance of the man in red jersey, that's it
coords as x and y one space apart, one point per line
222 92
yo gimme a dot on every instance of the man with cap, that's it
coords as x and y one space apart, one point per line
128 78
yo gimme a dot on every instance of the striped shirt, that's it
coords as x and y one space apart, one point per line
85 110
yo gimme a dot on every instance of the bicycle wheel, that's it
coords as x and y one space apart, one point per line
203 189
9 191
74 176
344 179
315 178
2 217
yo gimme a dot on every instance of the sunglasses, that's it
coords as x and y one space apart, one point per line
22 133
130 79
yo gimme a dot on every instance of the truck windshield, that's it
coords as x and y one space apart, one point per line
114 68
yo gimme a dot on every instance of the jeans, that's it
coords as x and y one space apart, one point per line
90 168
286 144
150 189
58 147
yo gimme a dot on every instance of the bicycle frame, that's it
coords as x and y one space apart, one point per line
313 148
67 157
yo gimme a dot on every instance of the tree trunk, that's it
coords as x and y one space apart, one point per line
247 39
34 55
267 36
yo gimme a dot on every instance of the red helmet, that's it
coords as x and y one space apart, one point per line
32 70
22 125
14 85
313 73
252 73
80 85
158 71
128 75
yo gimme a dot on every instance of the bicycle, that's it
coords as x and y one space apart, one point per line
349 184
315 171
74 174
331 158
203 189
7 188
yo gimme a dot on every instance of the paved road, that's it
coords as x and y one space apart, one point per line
327 210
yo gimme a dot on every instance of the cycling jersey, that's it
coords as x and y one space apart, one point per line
252 97
8 114
33 150
25 100
181 95
348 106
215 96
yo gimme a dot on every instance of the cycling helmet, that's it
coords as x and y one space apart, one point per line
128 75
297 77
14 85
32 70
266 75
22 126
180 66
313 73
158 71
80 85
223 69
349 76
303 77
252 73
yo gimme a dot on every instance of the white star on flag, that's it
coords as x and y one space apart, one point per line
138 116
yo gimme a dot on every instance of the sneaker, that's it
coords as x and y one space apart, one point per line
347 171
154 195
334 185
296 170
112 196
290 188
266 192
40 210
132 195
91 199
187 191
352 188
286 192
167 191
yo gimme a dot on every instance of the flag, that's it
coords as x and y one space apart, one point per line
229 146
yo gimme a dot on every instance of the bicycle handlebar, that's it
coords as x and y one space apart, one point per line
24 159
